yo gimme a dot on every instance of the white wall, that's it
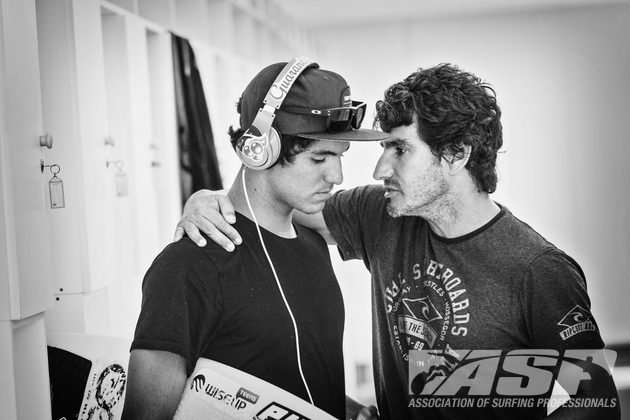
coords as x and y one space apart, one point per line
562 79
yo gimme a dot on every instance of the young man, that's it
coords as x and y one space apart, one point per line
453 272
273 308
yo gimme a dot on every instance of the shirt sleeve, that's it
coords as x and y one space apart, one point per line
557 306
354 218
559 317
181 303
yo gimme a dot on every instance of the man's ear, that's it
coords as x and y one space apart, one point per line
458 161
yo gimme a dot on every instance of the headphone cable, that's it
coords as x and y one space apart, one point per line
275 275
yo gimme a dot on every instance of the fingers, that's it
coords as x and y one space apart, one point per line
179 233
219 230
226 208
206 211
191 230
215 231
215 235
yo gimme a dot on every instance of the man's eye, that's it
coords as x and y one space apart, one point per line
400 150
319 160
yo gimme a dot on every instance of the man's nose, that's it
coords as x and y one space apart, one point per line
383 169
334 174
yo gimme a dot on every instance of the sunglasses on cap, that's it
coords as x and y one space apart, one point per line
338 120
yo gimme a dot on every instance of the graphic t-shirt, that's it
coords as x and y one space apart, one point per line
226 306
501 287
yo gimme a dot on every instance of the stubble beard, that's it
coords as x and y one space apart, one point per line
425 203
393 211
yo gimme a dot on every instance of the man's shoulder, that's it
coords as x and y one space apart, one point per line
186 250
522 235
186 256
526 244
183 264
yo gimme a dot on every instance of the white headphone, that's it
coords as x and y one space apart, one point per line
259 147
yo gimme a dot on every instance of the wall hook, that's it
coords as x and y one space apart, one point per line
46 140
117 163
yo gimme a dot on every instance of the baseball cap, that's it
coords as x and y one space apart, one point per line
315 88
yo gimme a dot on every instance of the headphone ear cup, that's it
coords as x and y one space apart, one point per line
252 152
259 152
275 146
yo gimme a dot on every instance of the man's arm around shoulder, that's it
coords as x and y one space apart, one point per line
212 213
155 384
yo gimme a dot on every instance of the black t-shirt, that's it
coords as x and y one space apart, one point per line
207 302
501 287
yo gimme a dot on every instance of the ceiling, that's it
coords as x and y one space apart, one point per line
322 13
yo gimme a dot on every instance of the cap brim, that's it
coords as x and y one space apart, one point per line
350 135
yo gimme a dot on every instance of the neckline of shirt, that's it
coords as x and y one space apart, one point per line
474 233
240 217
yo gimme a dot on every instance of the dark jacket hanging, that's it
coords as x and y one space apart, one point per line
199 167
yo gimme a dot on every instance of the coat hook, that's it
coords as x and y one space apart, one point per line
117 163
46 140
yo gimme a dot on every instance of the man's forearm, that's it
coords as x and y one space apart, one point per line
155 384
596 397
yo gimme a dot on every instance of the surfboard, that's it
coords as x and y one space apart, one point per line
219 392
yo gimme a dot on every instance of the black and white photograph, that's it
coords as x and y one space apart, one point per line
314 209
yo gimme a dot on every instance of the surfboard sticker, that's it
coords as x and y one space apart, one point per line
219 392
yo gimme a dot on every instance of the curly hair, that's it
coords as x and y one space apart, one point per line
291 145
453 108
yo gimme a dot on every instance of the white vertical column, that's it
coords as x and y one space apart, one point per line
129 104
164 127
25 188
73 106
145 211
25 272
98 187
